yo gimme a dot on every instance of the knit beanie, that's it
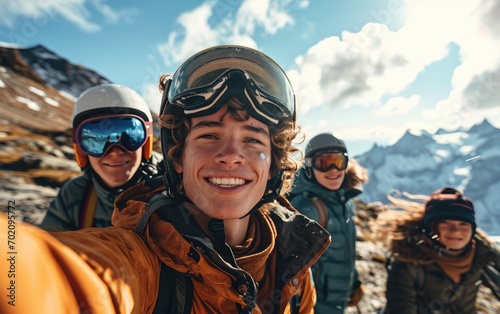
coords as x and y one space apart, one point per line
449 204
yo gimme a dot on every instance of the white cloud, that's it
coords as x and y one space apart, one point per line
38 14
360 68
152 96
267 14
364 67
398 106
196 32
214 23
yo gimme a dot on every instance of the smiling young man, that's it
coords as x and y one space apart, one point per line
324 191
215 234
112 139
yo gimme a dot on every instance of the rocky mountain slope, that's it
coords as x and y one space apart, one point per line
36 157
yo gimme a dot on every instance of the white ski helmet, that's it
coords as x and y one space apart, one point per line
110 99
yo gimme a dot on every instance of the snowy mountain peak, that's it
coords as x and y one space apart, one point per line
483 128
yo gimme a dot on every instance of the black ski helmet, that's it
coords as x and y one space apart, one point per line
324 142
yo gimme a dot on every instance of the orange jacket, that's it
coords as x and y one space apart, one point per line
114 270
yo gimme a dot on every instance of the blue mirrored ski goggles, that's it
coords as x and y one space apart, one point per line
96 135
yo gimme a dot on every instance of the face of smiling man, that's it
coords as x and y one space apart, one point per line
225 164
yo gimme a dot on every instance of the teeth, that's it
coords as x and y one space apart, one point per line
117 164
227 182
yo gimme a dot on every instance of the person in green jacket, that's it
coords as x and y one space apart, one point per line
438 255
113 143
324 191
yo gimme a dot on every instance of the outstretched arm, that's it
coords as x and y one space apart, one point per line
73 272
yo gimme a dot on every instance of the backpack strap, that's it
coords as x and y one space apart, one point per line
89 208
322 211
174 296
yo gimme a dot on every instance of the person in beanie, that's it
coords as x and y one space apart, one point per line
437 254
215 234
324 191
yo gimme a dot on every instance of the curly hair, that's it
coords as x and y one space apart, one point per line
283 137
356 175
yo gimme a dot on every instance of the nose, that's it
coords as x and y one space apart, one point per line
115 149
453 227
230 153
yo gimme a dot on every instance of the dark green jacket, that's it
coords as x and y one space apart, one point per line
434 291
65 211
335 272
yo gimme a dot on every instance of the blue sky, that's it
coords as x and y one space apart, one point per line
365 70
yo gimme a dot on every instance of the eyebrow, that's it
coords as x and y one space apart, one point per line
207 124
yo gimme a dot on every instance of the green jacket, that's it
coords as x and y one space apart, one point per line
335 273
429 290
66 210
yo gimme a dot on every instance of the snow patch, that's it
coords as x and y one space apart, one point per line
51 102
2 84
451 138
467 149
37 91
10 45
31 104
443 153
67 95
465 171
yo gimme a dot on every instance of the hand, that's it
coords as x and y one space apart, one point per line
356 294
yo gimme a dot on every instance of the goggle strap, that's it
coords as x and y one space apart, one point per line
207 107
267 117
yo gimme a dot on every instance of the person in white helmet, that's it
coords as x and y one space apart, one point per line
113 143
215 234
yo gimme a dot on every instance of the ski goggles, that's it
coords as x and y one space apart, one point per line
327 161
96 135
202 84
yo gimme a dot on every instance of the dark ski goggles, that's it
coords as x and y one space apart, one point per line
94 136
327 161
202 83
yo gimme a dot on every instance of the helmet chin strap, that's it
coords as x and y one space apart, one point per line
272 192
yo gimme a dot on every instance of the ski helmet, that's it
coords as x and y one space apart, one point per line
111 100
